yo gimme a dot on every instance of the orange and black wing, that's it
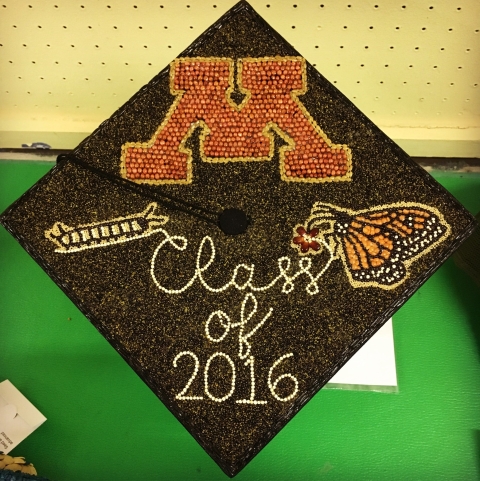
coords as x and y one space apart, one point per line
379 244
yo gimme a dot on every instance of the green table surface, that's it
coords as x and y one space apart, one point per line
105 424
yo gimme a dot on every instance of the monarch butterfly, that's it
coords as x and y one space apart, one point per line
376 245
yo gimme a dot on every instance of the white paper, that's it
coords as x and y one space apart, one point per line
18 417
372 366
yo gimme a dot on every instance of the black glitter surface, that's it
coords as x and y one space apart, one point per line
114 288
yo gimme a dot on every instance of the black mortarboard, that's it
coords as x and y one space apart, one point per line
237 231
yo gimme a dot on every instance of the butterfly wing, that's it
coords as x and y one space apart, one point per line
379 244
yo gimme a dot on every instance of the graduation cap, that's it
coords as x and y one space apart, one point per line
237 231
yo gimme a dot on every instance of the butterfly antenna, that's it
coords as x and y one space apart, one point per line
320 213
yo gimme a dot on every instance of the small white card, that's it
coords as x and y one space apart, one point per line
18 417
372 367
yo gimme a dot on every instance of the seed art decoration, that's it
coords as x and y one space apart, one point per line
237 231
100 234
237 132
376 245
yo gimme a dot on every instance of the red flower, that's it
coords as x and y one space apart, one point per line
306 239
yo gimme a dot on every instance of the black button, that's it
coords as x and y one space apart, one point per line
233 221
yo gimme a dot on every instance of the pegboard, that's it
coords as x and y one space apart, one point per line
412 66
